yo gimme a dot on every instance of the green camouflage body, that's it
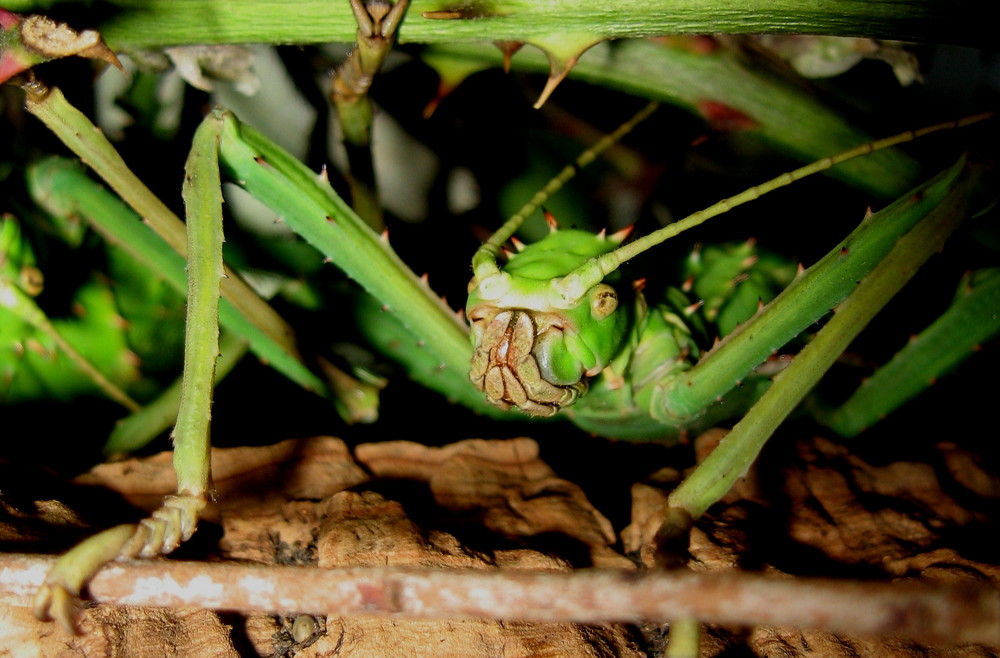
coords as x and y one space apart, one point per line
723 286
530 354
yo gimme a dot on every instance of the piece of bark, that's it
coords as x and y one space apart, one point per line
503 482
246 476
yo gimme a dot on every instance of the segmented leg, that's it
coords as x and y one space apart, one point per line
177 519
161 533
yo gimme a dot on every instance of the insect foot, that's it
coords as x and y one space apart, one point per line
161 533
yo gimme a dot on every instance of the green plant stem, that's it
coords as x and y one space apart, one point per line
155 23
781 113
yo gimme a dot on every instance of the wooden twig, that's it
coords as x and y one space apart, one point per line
948 615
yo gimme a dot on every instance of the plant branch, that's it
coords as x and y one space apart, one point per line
938 614
155 23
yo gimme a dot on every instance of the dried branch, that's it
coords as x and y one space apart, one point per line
950 615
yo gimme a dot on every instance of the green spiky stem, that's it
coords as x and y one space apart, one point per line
590 274
376 34
157 23
771 108
261 324
484 260
738 450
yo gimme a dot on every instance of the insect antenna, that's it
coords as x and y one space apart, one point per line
574 284
484 260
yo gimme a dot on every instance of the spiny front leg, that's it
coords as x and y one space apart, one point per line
177 519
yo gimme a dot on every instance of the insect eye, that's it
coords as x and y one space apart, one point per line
480 316
604 301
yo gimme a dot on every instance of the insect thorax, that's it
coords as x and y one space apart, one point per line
530 351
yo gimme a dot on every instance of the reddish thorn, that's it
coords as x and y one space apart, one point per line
751 241
385 236
444 14
460 313
517 243
331 219
749 261
423 278
800 270
913 338
844 252
725 118
740 278
36 347
327 260
639 284
550 219
385 307
323 176
618 237
715 342
508 48
507 253
868 212
688 284
699 140
977 348
694 307
760 304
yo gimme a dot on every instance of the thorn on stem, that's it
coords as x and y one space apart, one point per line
619 237
550 219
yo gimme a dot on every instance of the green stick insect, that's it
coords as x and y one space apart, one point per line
555 332
538 340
